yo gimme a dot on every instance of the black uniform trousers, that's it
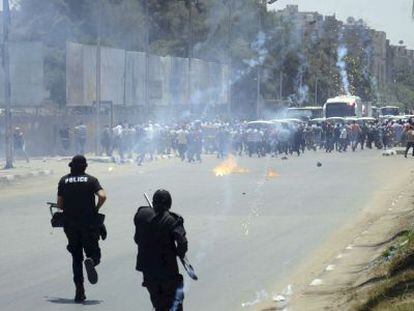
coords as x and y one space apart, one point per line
167 295
409 145
82 238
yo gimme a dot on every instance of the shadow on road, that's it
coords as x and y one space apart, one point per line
66 301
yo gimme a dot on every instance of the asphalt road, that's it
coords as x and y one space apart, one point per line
246 232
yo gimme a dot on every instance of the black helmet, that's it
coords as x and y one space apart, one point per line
78 164
162 200
78 161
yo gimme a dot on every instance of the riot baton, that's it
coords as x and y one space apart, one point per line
184 260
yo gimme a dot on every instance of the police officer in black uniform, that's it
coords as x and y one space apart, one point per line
161 237
76 197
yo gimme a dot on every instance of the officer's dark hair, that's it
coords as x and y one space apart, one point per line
78 164
161 200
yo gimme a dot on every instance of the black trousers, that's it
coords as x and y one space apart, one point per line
408 146
82 239
166 295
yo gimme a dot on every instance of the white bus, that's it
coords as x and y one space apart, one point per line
346 106
304 113
390 111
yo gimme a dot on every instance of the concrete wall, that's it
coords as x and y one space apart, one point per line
26 74
123 79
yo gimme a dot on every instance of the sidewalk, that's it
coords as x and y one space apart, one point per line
45 166
23 170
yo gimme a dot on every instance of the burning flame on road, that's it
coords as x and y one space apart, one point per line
271 174
229 166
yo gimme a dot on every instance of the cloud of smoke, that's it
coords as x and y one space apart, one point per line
341 64
258 46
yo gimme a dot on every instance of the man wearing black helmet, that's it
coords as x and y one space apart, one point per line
76 197
161 237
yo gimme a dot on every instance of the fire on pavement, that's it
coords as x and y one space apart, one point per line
229 166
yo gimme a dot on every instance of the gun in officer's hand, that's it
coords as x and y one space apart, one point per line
57 217
184 260
57 220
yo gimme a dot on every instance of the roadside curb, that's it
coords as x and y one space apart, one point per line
10 178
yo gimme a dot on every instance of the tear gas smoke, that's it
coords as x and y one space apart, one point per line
341 64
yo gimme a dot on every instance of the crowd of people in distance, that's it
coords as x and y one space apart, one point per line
189 140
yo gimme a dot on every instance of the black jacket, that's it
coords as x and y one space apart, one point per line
160 239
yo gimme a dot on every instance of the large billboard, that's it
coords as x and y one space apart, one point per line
81 75
124 78
26 74
179 81
135 79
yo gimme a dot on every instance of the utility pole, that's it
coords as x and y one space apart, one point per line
190 53
7 87
281 85
259 66
146 95
412 12
230 57
98 82
316 91
259 78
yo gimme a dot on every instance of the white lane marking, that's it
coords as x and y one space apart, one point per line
330 268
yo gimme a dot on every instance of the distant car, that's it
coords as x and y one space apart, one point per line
351 119
260 124
293 120
367 120
336 120
318 120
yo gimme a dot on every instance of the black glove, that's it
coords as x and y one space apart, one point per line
102 232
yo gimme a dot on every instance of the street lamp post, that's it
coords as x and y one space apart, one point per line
281 85
98 82
190 53
7 86
146 90
230 4
259 66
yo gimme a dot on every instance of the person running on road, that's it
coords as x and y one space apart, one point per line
409 138
76 197
80 133
19 143
161 237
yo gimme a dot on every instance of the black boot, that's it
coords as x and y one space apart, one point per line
80 293
90 270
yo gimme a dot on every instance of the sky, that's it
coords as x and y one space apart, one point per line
392 16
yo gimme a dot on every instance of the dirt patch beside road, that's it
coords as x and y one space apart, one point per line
326 281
